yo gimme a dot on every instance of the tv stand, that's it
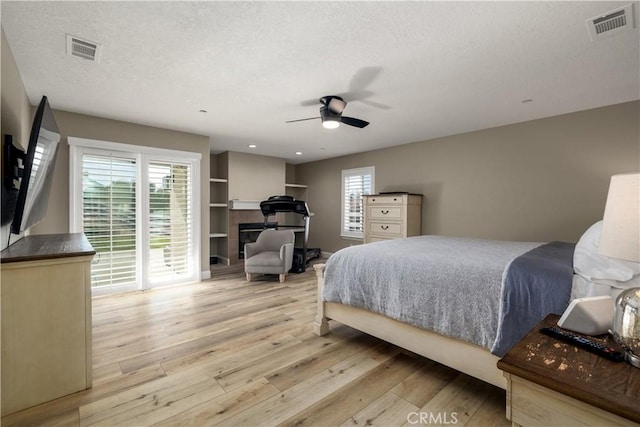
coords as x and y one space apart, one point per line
46 319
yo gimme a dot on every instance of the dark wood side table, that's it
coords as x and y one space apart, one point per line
552 383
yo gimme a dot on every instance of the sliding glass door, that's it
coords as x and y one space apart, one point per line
138 211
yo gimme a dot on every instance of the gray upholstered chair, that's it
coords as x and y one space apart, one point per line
271 253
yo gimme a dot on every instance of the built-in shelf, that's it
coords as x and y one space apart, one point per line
236 204
218 233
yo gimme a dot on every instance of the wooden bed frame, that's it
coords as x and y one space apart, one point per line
465 357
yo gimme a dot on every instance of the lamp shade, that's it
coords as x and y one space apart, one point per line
620 236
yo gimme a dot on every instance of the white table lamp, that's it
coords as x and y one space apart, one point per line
620 239
620 236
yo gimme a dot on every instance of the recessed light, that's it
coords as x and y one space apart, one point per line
298 153
252 145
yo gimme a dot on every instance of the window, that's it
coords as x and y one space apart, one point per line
136 207
355 184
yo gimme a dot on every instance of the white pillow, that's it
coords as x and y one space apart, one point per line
588 263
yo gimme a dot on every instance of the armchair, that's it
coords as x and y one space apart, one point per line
271 253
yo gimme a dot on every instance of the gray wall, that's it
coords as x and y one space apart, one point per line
253 177
16 113
541 180
16 109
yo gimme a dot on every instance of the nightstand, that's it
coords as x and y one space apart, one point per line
552 383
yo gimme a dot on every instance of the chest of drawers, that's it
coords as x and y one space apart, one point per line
392 216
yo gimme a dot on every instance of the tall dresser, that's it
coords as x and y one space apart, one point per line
392 216
46 319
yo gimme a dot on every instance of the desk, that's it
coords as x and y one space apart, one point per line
552 383
46 319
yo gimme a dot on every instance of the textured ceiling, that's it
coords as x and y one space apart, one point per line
415 70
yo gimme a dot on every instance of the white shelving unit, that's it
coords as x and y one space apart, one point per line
218 215
298 191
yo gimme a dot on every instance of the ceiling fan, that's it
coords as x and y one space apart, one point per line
331 114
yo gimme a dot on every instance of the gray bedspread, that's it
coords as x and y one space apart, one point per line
537 283
450 285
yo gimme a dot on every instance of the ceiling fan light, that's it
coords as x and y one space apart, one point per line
330 120
330 124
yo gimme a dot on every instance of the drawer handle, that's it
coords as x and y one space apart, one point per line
384 227
384 212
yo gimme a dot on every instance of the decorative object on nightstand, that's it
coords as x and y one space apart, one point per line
626 324
589 316
621 239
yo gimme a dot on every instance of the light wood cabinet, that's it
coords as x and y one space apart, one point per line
392 216
530 404
46 319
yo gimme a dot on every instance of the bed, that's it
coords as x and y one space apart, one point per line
498 291
460 302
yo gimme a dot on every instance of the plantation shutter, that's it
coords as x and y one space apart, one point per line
109 218
170 221
355 184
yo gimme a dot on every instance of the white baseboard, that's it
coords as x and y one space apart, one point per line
204 275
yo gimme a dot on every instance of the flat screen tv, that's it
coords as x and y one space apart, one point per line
39 161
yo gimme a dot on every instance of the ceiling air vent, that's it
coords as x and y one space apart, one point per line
83 48
611 23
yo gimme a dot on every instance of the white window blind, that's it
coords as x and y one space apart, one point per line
170 221
355 184
109 218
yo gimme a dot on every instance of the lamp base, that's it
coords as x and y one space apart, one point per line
626 324
632 358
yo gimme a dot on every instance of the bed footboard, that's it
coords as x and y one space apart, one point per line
321 323
464 357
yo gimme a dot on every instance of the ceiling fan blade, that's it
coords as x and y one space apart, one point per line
364 77
375 104
309 102
352 121
302 120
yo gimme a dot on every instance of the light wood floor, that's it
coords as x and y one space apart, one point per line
228 352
